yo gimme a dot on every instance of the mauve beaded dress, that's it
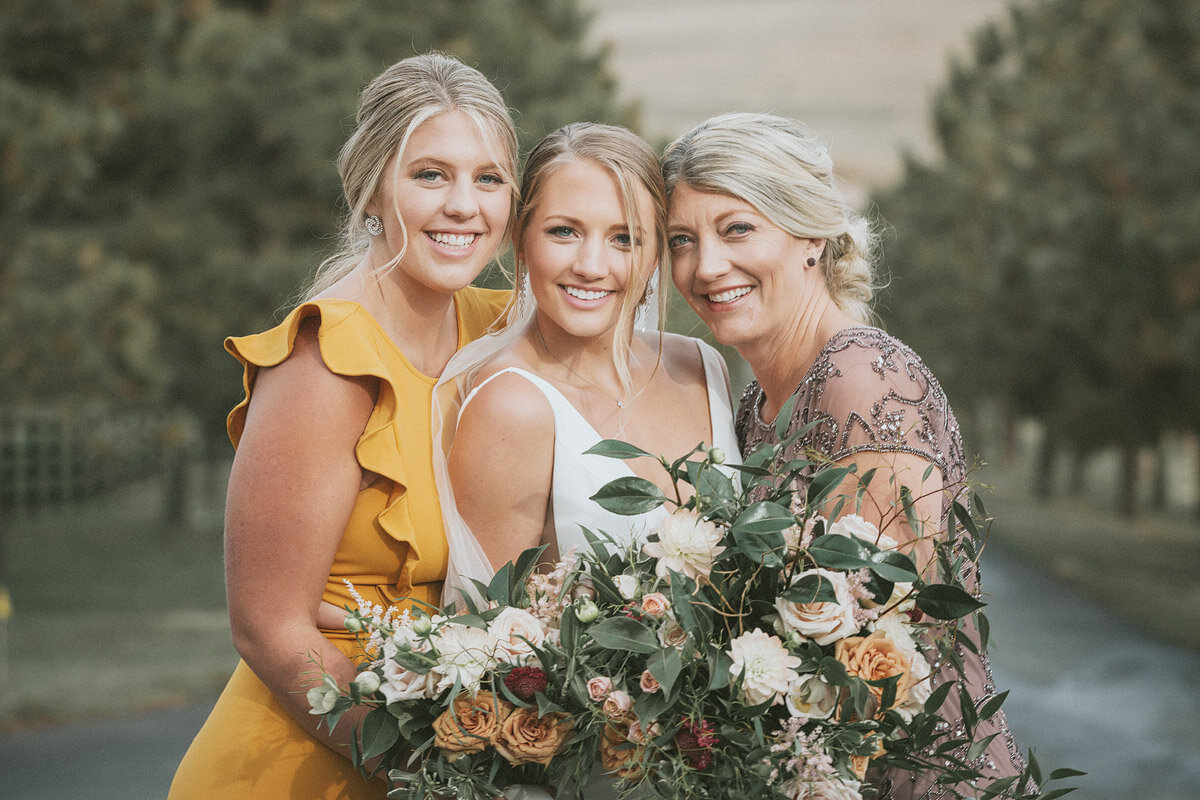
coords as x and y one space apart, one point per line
870 392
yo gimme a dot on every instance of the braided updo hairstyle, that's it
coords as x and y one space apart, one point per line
781 168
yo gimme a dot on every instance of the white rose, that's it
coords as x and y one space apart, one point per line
516 632
466 653
809 697
826 788
402 684
853 526
367 681
323 698
686 544
627 585
766 667
824 623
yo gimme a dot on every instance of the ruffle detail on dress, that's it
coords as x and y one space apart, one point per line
352 345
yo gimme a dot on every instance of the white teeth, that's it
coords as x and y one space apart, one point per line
729 295
584 294
453 239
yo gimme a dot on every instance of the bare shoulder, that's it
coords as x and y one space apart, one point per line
306 390
508 401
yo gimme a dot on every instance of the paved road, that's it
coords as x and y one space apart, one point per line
1088 692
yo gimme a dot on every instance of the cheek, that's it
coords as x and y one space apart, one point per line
681 272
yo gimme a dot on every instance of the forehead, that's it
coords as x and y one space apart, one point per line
580 186
453 136
689 204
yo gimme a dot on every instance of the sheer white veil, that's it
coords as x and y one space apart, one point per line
466 561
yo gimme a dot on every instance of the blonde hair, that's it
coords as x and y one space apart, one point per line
631 161
392 107
780 167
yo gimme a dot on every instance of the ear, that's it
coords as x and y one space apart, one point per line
813 249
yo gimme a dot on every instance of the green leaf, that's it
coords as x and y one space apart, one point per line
834 672
825 482
985 630
764 517
719 663
784 418
812 588
522 568
665 666
716 485
1065 772
623 633
938 696
893 566
498 588
943 601
839 552
629 496
379 733
992 706
615 448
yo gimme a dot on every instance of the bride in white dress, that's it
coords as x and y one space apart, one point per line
573 367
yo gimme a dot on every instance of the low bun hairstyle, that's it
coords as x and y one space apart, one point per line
781 168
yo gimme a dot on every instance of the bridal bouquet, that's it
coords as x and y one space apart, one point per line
466 704
752 648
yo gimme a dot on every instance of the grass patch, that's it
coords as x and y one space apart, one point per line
1143 569
113 610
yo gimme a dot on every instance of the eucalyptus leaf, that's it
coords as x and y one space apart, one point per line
825 482
893 566
665 666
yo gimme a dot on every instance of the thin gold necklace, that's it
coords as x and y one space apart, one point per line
537 330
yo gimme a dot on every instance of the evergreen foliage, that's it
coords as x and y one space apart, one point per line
1051 257
167 169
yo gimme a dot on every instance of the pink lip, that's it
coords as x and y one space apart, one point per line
582 304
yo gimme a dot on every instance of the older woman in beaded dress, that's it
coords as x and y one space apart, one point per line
767 252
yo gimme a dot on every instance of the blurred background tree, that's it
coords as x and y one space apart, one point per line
1049 261
167 173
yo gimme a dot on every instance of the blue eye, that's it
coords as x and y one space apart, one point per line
623 239
489 178
679 240
427 175
561 231
738 229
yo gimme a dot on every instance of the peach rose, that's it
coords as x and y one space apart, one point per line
526 738
860 763
655 604
618 755
471 723
649 683
875 657
617 704
598 688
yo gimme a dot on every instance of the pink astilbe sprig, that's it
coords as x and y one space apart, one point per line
809 765
862 596
547 601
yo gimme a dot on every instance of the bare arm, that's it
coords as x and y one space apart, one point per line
291 491
501 466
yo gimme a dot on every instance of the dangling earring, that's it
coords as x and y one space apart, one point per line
522 289
373 225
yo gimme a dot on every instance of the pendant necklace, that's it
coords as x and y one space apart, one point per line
618 400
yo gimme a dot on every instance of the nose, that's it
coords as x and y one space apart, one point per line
593 259
461 201
711 261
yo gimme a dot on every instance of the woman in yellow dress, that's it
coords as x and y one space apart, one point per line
332 481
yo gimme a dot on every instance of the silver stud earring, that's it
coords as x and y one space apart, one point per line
373 225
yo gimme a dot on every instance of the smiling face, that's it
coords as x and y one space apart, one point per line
443 204
743 275
580 253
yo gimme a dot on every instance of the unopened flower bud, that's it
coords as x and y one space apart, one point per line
354 623
422 626
586 610
716 455
324 697
367 682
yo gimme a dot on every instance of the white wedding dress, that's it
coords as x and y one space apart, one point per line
577 475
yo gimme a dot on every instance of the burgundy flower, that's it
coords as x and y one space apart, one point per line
695 742
525 682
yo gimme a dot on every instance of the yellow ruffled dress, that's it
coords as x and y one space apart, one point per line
393 547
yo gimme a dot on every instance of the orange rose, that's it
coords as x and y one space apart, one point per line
471 723
860 763
618 755
526 738
874 657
